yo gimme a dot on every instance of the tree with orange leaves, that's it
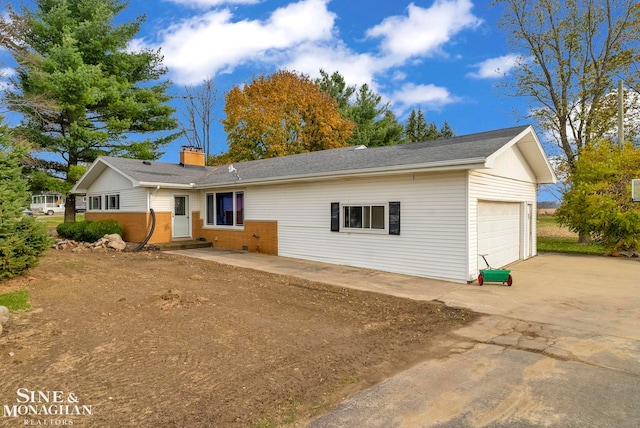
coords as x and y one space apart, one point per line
282 114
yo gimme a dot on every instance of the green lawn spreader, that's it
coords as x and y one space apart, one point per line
494 275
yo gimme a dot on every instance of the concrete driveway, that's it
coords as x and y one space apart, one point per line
560 348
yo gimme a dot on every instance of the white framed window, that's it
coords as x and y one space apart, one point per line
95 202
371 218
364 217
225 209
112 202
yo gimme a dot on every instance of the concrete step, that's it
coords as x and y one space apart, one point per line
183 245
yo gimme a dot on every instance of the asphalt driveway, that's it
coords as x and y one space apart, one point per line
560 348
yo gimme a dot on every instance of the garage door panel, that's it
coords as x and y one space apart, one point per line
499 232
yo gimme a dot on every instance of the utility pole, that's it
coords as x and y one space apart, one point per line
621 114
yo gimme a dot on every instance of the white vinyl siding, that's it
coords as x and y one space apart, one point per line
130 200
110 181
432 242
512 164
161 200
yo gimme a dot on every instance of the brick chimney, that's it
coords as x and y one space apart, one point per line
191 156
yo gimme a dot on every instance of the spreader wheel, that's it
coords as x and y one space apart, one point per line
509 281
480 279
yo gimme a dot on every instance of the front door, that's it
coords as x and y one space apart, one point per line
181 218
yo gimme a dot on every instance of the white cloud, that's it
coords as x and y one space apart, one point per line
301 36
356 68
205 4
213 42
427 96
7 72
424 31
494 68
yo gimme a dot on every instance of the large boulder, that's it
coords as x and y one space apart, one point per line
113 241
4 315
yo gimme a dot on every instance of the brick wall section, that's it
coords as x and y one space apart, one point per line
136 225
267 232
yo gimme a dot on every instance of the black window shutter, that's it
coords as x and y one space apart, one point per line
394 218
335 216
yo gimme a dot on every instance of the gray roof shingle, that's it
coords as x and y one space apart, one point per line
452 151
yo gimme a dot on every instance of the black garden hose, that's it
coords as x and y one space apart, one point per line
153 226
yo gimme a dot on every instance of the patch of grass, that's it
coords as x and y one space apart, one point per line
553 238
568 245
16 301
547 220
53 221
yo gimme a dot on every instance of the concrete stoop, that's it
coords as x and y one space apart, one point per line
183 245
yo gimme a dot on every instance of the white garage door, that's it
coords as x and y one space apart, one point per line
498 233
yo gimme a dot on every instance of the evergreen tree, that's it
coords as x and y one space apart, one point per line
446 131
376 125
417 129
81 91
336 87
22 239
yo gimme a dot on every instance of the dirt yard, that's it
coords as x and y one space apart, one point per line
152 339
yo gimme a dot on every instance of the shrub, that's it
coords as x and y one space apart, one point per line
88 231
96 230
72 230
21 249
599 201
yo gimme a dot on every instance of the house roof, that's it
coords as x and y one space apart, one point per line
465 152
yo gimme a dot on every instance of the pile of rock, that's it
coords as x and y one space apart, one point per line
630 253
4 317
113 241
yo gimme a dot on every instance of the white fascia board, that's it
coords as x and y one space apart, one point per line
476 163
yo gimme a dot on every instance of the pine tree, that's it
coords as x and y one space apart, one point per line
22 239
376 125
417 129
81 91
446 131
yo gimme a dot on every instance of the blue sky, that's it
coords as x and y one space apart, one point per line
446 57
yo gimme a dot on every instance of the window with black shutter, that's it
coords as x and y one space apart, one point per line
335 216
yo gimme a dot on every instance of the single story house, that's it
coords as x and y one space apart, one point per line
425 209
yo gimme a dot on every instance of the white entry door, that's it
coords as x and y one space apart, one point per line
181 217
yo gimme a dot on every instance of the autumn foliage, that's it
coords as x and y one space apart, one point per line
599 202
282 114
